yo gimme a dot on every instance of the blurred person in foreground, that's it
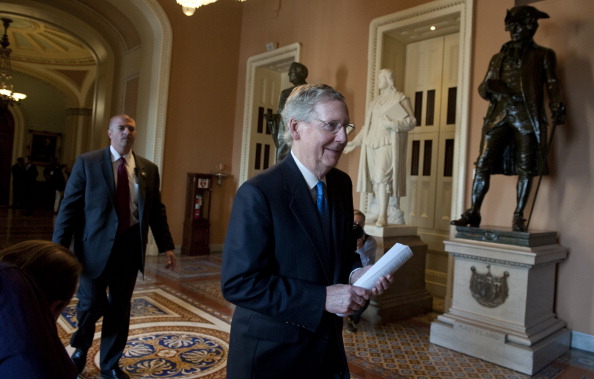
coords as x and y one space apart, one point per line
289 260
37 281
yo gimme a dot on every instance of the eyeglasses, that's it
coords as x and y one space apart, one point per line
334 127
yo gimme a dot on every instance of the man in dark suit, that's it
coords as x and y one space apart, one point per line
19 174
110 201
514 140
288 254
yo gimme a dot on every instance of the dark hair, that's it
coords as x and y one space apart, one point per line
53 268
357 212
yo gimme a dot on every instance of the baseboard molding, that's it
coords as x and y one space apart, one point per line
582 341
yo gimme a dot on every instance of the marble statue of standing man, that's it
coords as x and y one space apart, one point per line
383 141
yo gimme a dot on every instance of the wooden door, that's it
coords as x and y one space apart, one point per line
431 80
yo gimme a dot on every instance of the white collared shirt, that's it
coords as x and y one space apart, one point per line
309 177
312 181
132 180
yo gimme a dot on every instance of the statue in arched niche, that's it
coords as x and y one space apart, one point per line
383 141
297 75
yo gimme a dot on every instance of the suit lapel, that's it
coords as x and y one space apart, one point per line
140 177
306 213
108 175
337 215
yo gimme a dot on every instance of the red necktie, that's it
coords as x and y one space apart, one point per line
123 192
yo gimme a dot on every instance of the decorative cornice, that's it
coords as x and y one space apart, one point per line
499 262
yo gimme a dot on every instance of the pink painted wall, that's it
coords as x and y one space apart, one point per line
204 122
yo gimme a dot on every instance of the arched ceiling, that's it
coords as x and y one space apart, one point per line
44 51
47 49
34 41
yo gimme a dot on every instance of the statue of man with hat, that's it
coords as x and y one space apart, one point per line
514 134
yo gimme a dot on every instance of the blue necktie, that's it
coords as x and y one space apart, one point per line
321 201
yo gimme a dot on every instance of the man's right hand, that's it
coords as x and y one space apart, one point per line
345 299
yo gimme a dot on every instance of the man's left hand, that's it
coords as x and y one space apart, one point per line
382 284
171 260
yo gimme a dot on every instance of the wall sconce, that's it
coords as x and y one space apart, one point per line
189 6
220 175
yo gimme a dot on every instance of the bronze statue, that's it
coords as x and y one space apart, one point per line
297 75
514 135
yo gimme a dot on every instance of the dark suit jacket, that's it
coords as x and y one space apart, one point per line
276 266
88 218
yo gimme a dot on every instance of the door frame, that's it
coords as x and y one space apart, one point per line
409 17
283 56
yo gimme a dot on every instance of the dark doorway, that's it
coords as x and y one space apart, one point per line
6 142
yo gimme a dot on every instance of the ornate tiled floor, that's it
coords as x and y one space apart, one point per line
180 328
180 325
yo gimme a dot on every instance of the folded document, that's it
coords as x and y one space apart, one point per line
391 261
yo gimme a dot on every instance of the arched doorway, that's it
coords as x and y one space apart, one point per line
264 83
404 42
130 58
131 64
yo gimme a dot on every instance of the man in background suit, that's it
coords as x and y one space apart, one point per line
289 255
109 241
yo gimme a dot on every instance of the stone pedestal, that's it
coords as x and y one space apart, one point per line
502 303
407 295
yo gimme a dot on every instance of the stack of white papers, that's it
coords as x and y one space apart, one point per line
391 261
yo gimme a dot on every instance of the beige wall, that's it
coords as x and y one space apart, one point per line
201 108
204 122
334 38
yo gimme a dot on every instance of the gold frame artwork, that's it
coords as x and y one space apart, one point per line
43 146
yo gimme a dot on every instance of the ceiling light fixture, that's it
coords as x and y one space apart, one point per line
7 95
189 6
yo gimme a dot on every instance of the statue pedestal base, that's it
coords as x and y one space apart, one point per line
502 304
407 295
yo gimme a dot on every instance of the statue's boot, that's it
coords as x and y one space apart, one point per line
523 187
470 217
382 204
519 222
381 221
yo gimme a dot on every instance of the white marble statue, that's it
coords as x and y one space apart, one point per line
383 141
